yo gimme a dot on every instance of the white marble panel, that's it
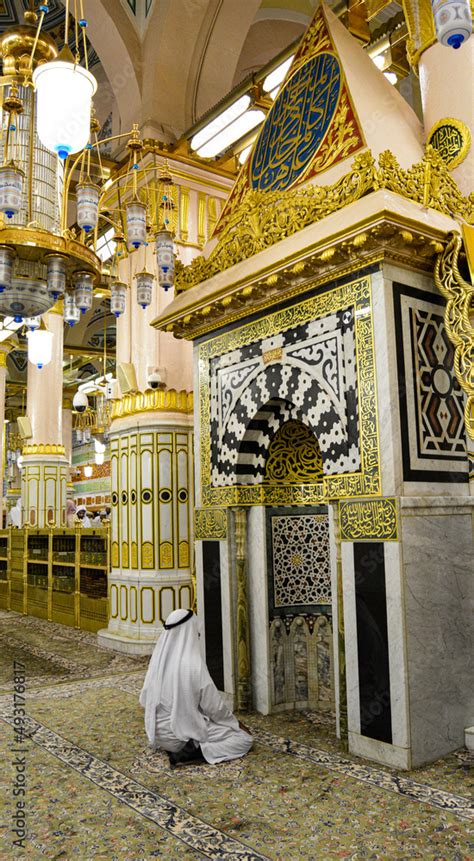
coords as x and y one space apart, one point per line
438 568
396 645
350 636
335 615
257 586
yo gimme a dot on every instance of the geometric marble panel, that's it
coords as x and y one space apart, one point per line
299 561
431 400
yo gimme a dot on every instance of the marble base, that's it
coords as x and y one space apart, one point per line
124 644
469 737
387 754
439 611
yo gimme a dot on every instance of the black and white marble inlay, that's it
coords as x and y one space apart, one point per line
307 373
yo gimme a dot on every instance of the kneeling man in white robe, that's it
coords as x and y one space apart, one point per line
184 712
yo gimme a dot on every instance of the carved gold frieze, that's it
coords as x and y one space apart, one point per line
210 523
43 449
368 520
364 483
458 316
264 218
152 400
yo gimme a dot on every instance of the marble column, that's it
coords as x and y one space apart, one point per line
151 443
446 90
45 467
67 442
5 348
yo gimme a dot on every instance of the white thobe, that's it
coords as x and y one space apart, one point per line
225 739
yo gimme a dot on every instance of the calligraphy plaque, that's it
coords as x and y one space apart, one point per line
297 124
452 139
369 520
311 126
210 523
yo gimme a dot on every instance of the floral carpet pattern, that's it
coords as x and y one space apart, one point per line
95 790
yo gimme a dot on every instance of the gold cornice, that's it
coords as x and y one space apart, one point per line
264 218
421 27
382 236
43 448
153 400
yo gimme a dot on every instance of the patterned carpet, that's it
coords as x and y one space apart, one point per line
95 791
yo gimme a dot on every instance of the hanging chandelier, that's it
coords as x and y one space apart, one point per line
49 135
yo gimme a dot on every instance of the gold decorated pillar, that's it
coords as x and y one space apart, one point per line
45 467
5 348
244 691
152 476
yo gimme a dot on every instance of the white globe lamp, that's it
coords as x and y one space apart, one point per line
40 347
64 92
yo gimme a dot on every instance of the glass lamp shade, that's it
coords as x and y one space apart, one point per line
136 224
83 290
165 259
87 194
99 458
453 21
26 297
32 323
144 288
72 315
11 189
118 298
7 259
56 275
88 471
40 347
64 93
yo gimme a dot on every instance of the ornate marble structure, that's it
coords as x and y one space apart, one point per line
316 306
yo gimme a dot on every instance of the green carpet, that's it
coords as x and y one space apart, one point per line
94 789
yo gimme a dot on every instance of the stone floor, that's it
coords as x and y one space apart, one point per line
95 791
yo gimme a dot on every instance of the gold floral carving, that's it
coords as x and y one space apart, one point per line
152 400
368 520
166 554
356 294
294 456
458 316
183 554
147 555
264 218
210 523
43 449
243 624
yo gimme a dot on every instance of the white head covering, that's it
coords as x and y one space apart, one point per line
174 679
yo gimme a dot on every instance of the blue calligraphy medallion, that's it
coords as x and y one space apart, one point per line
296 125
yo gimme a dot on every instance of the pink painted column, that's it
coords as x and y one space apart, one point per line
446 82
45 467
